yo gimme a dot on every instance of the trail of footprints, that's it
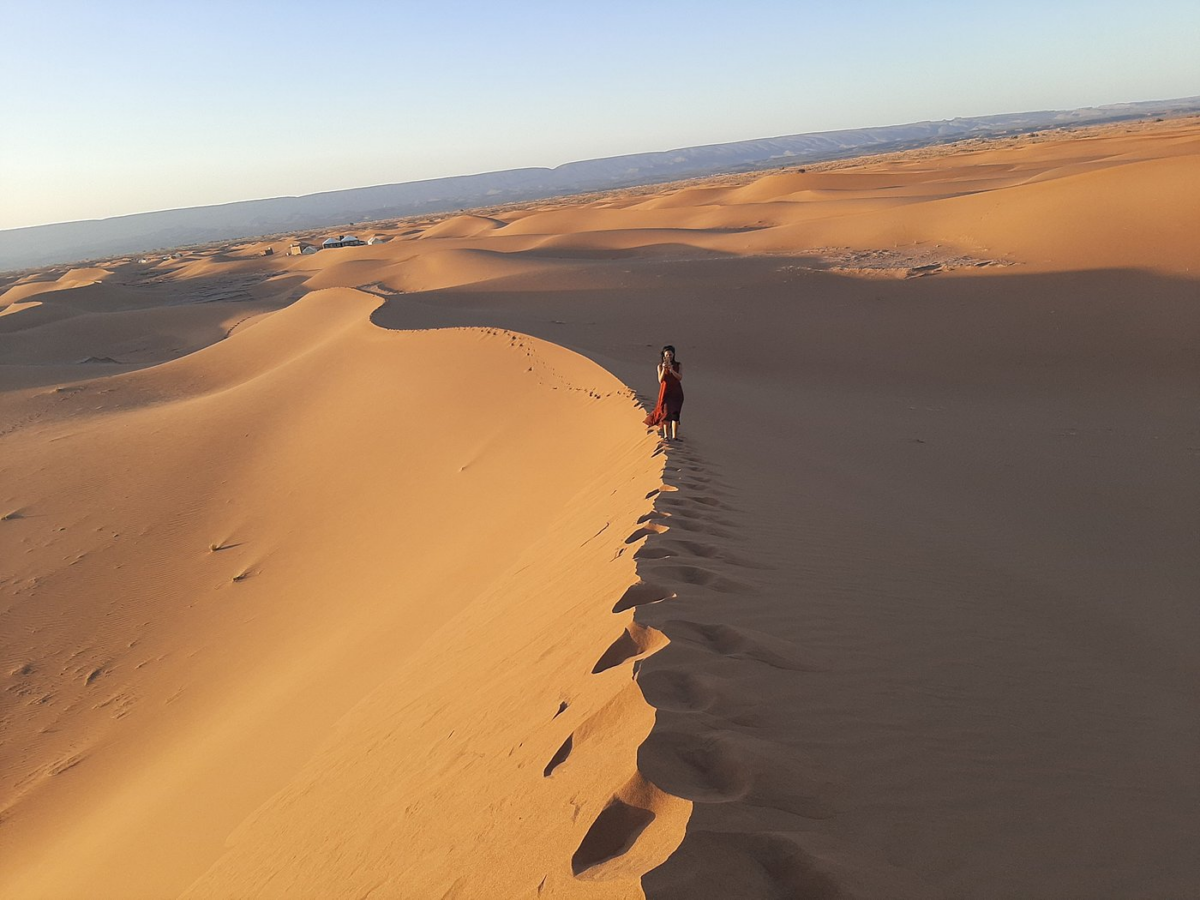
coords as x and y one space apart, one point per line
676 550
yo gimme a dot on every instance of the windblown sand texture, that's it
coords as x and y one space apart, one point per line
356 574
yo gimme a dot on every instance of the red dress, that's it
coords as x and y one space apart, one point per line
670 399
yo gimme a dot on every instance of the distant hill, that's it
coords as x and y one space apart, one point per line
72 241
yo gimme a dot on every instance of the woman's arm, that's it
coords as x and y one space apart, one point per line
679 371
662 372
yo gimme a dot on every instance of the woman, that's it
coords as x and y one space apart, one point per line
670 396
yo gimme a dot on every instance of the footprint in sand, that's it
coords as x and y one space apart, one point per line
614 711
740 643
700 520
712 502
676 690
611 849
695 548
641 594
645 531
654 553
560 756
700 577
653 514
612 834
704 528
730 864
708 771
661 489
636 640
707 551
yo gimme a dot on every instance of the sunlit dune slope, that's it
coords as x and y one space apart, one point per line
401 547
1109 200
462 226
1130 214
72 279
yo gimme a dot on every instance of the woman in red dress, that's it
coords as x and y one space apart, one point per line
670 396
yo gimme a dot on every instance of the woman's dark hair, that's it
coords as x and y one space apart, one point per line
671 347
668 347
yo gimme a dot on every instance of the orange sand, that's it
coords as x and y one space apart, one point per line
301 600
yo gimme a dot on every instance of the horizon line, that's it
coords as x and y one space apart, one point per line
473 174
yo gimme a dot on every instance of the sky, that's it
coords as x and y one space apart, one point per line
122 107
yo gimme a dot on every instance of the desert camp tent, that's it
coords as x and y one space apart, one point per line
344 240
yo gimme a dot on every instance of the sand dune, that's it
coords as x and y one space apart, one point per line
73 278
461 266
219 604
1138 214
309 600
463 226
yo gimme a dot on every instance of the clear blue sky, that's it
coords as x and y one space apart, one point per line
117 107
